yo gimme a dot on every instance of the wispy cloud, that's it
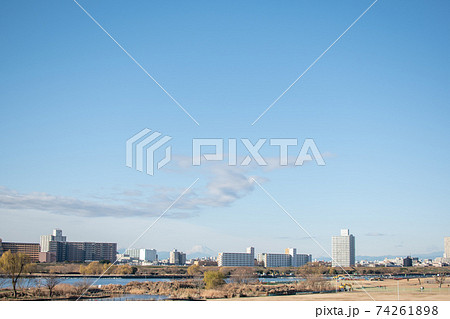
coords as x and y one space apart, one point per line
374 234
295 237
64 205
224 186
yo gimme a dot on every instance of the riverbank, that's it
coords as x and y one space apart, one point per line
163 271
324 290
193 289
168 276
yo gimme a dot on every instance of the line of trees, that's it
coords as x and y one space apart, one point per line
98 268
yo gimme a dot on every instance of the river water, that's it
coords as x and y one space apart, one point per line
131 297
33 282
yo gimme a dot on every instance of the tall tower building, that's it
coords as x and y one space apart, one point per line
251 251
177 257
447 247
49 242
343 249
293 253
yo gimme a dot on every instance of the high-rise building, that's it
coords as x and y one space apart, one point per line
30 249
447 247
149 255
407 262
89 251
55 247
46 241
290 258
343 249
237 259
177 257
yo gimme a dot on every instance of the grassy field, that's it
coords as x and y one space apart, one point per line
386 290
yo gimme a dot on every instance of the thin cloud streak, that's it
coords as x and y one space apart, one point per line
374 234
224 187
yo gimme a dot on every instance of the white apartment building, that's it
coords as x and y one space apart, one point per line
148 255
302 259
133 253
237 259
343 249
290 258
275 260
48 242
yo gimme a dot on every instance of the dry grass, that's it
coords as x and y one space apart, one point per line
378 290
194 290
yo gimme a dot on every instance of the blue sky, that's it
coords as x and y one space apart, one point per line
376 103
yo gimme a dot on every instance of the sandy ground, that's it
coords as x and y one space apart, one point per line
386 290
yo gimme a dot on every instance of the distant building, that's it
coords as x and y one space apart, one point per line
149 255
133 253
343 249
275 260
447 247
61 250
136 255
90 251
30 249
290 258
48 242
205 262
298 260
47 257
237 259
177 257
124 259
302 259
407 262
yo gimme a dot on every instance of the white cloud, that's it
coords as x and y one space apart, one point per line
224 186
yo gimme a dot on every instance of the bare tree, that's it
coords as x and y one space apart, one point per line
440 279
51 282
243 275
316 282
82 286
38 285
13 265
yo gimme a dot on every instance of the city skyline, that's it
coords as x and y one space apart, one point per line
336 254
375 104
